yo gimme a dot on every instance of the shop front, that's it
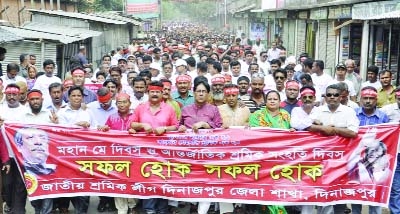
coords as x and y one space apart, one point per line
349 33
383 21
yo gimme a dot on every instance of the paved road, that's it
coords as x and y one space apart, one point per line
95 200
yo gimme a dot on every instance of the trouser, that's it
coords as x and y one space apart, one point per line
14 189
123 204
62 202
155 205
203 207
43 206
81 204
105 200
307 209
335 209
356 209
394 201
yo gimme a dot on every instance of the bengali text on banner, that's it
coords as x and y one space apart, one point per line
259 166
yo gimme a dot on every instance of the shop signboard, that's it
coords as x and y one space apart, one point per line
320 13
339 12
303 15
366 10
299 3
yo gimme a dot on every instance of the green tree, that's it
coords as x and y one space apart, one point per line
108 5
100 5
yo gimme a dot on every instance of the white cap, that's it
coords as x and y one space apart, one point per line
180 62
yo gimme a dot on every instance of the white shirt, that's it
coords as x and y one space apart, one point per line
352 104
7 80
393 112
273 54
264 66
376 84
327 118
259 48
11 115
42 83
269 83
322 81
68 116
299 119
135 102
244 68
43 117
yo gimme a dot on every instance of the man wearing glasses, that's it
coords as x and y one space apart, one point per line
280 77
329 118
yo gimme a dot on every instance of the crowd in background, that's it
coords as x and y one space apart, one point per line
190 78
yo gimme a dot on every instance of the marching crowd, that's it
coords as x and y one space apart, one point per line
179 82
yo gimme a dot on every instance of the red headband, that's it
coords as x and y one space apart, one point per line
228 77
307 91
105 98
76 72
68 83
123 95
292 84
369 93
218 80
168 84
183 78
229 91
34 94
12 90
155 88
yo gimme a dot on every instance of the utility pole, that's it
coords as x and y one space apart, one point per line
225 13
160 15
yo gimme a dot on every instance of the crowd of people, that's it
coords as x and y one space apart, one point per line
181 82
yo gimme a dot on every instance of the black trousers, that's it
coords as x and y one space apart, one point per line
14 190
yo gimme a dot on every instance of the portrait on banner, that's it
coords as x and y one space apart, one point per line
33 144
370 162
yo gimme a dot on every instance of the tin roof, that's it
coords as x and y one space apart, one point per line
8 36
66 35
110 18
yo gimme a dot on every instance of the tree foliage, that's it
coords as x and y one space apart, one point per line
187 10
100 5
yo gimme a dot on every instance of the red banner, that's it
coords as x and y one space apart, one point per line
261 166
93 87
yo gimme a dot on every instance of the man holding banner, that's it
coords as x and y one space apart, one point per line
121 120
331 115
393 112
14 187
156 117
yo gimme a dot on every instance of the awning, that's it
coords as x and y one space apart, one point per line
81 33
7 36
389 15
249 7
346 23
61 36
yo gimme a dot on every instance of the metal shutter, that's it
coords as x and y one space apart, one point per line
301 36
15 49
